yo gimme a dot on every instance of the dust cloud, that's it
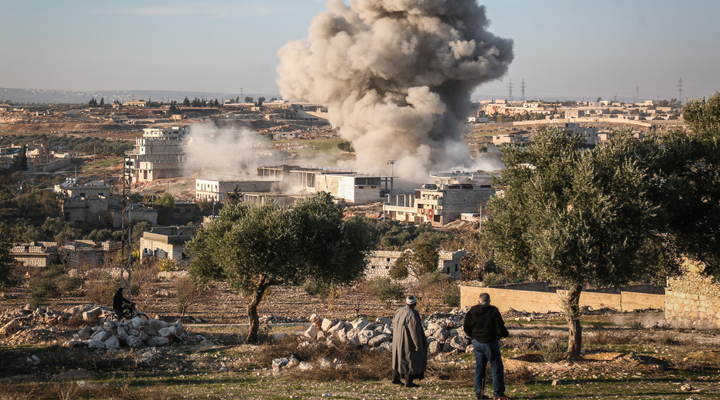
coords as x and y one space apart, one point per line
396 77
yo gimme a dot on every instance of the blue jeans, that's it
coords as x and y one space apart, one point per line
485 352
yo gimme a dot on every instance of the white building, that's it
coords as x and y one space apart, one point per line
591 135
381 261
159 154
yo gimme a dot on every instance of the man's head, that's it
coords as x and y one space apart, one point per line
411 301
120 289
484 299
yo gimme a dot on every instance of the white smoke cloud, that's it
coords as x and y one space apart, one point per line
396 77
228 152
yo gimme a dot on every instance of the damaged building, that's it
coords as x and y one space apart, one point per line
381 261
159 154
442 202
166 242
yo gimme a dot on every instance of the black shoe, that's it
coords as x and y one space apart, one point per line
411 385
396 382
481 396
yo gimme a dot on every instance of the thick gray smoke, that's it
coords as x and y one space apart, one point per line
396 77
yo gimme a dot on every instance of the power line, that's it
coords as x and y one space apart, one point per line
522 90
510 95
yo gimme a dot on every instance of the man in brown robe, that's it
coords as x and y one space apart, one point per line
409 348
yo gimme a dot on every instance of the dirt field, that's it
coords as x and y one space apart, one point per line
627 356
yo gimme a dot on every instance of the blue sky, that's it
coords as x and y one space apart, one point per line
563 48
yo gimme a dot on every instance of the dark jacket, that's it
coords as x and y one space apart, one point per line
119 300
485 324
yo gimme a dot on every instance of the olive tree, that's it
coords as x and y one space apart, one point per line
256 246
573 216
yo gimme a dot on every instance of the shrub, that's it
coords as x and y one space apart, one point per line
452 296
52 283
320 290
101 292
188 293
167 264
494 279
385 289
399 270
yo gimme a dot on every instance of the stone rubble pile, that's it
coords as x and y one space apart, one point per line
135 333
444 335
275 319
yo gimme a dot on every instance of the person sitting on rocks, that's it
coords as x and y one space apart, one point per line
119 302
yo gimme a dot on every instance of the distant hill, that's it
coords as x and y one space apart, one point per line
44 96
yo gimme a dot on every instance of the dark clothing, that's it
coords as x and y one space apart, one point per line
485 352
485 324
119 300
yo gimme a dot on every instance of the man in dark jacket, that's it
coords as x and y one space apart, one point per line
485 325
118 302
409 347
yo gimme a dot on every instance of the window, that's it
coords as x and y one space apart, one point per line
456 268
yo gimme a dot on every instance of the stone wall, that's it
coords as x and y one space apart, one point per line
693 300
505 299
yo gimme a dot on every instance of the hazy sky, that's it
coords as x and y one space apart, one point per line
563 48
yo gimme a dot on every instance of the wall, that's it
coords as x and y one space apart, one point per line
504 299
379 263
693 300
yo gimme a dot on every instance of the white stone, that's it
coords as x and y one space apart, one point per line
327 324
379 339
122 335
138 322
320 336
311 332
156 324
434 347
470 349
156 341
133 342
112 343
85 333
315 320
383 321
278 363
94 344
168 332
458 343
304 366
100 336
337 327
359 324
325 362
365 336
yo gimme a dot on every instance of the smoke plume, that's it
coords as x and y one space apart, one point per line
396 77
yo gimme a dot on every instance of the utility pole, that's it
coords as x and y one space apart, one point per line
391 163
126 244
510 86
680 85
242 99
522 90
637 93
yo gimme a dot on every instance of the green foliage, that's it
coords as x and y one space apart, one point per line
395 235
84 144
166 264
255 246
452 296
165 206
9 275
99 235
385 289
572 216
138 229
400 270
53 282
346 146
102 291
494 279
319 289
189 293
425 259
235 195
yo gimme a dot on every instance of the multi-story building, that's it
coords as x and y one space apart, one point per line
591 135
380 262
217 190
348 186
442 202
159 154
166 242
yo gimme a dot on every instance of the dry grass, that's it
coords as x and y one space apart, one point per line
74 390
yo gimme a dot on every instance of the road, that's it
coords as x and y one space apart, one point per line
73 114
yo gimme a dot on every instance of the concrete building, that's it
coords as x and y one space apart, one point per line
217 190
380 262
159 154
499 140
347 186
166 242
572 113
35 254
591 135
92 189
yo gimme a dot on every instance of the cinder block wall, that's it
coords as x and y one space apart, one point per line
505 299
693 300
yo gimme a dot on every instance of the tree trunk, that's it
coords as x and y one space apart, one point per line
571 303
252 310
